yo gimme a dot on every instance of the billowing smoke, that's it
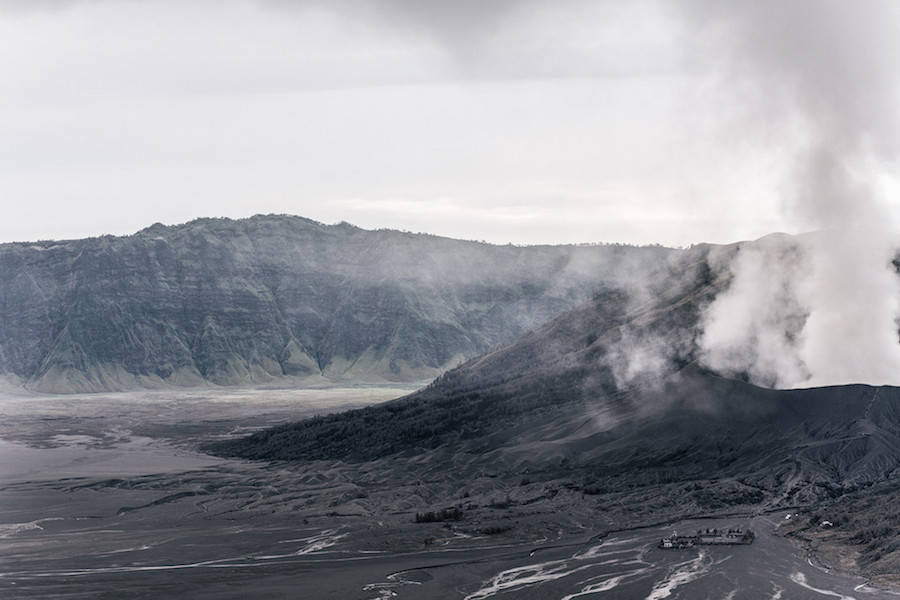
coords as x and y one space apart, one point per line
814 79
753 326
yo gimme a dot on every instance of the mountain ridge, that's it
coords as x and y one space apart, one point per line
278 298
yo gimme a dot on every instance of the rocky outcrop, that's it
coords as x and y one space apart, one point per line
272 298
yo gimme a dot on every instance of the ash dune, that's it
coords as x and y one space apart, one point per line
144 514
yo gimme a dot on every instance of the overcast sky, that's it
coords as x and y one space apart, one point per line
510 121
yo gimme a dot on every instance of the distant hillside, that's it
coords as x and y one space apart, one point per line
273 297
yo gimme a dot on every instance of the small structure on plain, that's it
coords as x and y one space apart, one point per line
708 537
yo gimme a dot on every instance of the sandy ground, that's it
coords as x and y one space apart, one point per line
107 496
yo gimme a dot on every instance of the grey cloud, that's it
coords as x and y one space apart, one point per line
454 23
30 6
499 39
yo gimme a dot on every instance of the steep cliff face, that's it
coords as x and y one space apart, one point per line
259 299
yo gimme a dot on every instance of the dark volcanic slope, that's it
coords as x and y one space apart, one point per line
796 446
561 395
242 301
577 357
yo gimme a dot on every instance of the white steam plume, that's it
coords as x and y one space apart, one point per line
818 77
